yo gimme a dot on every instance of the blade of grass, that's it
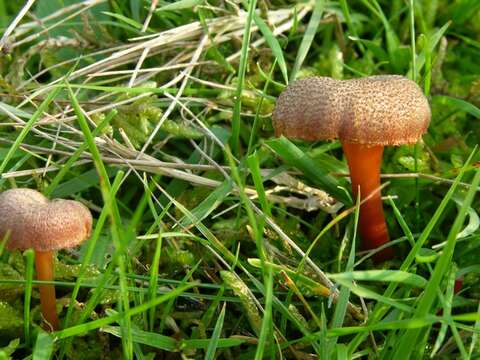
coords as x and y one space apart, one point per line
43 346
79 183
390 36
172 345
402 277
315 170
247 299
256 120
209 204
266 331
152 339
242 68
401 221
433 41
274 45
307 38
460 104
341 305
179 5
370 294
29 255
414 76
152 286
447 311
153 277
254 166
213 343
473 343
256 224
350 24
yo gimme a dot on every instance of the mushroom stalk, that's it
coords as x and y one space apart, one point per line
364 163
45 272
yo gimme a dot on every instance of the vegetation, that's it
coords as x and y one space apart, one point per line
213 238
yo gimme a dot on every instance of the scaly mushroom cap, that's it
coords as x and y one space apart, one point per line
375 110
34 222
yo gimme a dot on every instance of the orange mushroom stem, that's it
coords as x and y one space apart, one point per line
364 163
45 272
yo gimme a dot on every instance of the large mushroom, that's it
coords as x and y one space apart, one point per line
30 221
366 114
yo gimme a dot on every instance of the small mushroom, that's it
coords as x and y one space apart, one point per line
366 114
31 221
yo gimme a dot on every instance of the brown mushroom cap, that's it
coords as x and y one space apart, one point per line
34 222
375 110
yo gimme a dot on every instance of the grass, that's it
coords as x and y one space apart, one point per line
213 238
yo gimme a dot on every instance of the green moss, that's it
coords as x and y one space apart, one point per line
10 292
11 321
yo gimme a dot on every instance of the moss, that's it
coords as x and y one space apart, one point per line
11 322
10 292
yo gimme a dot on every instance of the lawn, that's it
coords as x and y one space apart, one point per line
215 235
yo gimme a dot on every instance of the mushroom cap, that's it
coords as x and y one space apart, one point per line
375 110
34 222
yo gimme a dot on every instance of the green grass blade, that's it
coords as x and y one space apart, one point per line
475 334
172 345
254 166
212 346
242 68
29 255
370 294
307 38
180 5
433 41
343 298
401 277
460 104
152 339
266 331
43 349
209 204
274 45
154 278
315 171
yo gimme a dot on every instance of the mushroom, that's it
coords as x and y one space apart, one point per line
31 221
366 114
